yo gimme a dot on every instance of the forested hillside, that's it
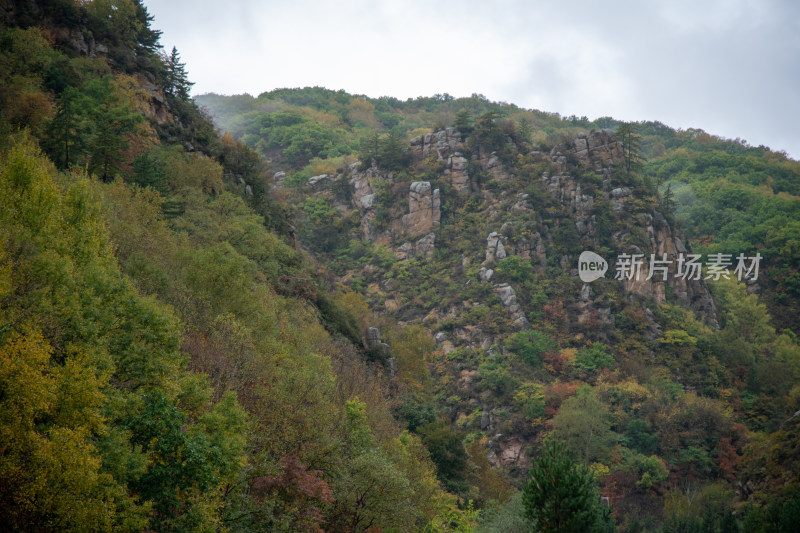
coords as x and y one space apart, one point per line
170 360
317 311
468 218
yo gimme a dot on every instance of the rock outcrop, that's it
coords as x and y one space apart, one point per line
456 168
666 245
600 151
363 189
423 209
424 247
373 343
440 143
508 297
495 250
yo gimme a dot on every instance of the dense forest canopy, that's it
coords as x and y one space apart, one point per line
317 311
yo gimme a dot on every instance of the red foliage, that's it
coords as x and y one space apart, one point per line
727 459
301 491
554 312
558 361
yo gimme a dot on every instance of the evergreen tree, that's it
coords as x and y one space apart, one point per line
177 80
369 148
561 495
668 201
463 123
631 145
524 130
146 38
393 152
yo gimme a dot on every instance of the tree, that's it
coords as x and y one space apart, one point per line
631 145
582 424
393 152
447 452
668 201
69 128
177 82
594 358
487 133
369 145
561 496
531 345
463 123
147 38
524 130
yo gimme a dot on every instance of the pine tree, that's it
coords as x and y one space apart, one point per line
524 130
463 123
561 496
393 152
146 38
631 145
177 82
369 148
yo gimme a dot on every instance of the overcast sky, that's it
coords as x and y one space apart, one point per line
729 67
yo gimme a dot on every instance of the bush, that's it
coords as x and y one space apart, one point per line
594 358
531 345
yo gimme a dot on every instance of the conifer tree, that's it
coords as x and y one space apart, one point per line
177 82
631 145
463 123
561 496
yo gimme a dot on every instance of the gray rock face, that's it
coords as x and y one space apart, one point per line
486 424
440 143
372 342
508 297
457 170
586 293
319 181
494 248
423 209
618 196
424 247
497 170
363 196
368 201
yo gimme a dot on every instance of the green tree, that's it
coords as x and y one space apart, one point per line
177 82
561 496
631 146
524 130
393 152
448 454
594 358
582 424
463 123
530 346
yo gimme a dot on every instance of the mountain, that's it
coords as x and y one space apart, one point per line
472 228
328 312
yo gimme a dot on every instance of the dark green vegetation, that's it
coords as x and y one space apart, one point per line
168 360
183 339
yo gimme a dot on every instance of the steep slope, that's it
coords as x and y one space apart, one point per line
170 361
475 234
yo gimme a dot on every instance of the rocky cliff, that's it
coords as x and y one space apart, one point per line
481 209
